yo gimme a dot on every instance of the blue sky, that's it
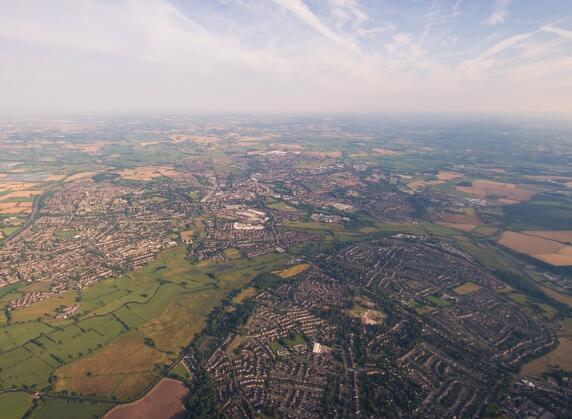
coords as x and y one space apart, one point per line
491 56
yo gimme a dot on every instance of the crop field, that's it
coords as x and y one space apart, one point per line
245 294
125 326
550 251
147 173
165 401
524 243
46 308
15 404
508 191
447 175
559 236
558 357
281 206
293 270
56 408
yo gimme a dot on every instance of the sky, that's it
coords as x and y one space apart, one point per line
286 56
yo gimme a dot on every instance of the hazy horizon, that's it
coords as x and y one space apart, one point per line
493 57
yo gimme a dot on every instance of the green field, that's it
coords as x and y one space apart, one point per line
166 301
14 405
55 408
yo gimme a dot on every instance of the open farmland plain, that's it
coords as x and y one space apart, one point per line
256 267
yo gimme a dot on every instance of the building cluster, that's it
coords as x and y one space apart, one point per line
89 231
433 351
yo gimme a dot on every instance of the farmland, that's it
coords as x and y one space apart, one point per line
284 266
165 400
103 351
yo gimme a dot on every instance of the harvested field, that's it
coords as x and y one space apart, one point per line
530 245
55 178
385 152
560 357
245 294
16 207
467 288
165 400
561 258
15 186
108 366
488 188
148 173
81 175
418 184
292 271
20 194
148 143
558 296
559 236
446 175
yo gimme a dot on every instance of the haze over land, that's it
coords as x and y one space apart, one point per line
285 208
83 56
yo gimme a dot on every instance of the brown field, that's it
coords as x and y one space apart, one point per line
245 294
164 401
187 235
561 258
559 236
445 175
8 205
81 175
130 385
530 245
497 189
372 317
467 288
148 143
385 152
558 296
55 178
417 184
20 194
293 270
15 186
147 173
16 207
559 356
346 179
360 154
125 355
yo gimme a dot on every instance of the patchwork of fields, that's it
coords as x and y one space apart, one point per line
127 330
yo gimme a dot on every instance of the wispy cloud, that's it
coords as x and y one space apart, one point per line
457 8
303 12
284 55
499 13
